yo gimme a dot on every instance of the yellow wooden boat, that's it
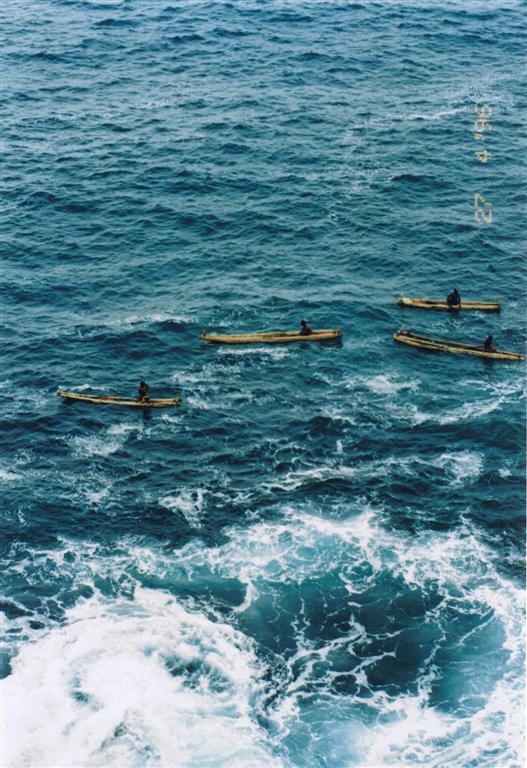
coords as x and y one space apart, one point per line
481 306
272 337
130 402
444 345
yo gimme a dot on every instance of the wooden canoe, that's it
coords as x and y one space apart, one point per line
481 306
272 337
130 402
444 345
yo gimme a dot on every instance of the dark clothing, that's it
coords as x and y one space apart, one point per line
453 299
143 391
306 330
489 345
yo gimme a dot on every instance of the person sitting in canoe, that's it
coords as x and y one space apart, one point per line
306 329
453 299
489 345
143 392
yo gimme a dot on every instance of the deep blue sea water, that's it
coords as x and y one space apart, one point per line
318 560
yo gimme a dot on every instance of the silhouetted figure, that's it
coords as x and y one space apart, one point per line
306 329
489 345
143 392
453 299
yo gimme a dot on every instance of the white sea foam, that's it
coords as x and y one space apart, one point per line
470 410
135 682
108 3
168 419
382 384
440 114
455 564
462 465
492 736
69 387
488 398
210 372
338 414
188 377
129 321
96 496
189 503
126 429
129 638
6 476
11 473
459 466
27 397
277 353
107 442
200 403
95 445
204 387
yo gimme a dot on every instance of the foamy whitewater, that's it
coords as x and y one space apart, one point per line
318 560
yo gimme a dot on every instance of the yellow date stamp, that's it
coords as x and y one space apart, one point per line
481 126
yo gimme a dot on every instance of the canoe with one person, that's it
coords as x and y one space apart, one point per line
274 337
441 304
130 402
456 347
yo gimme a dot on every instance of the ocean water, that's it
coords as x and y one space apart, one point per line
318 560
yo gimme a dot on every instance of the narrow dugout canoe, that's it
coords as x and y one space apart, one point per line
481 306
130 402
272 337
444 345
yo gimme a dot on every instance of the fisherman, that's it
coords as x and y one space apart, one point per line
489 345
306 329
143 392
454 299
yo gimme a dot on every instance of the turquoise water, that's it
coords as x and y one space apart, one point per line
318 560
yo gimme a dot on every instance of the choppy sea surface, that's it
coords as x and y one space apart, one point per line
318 560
